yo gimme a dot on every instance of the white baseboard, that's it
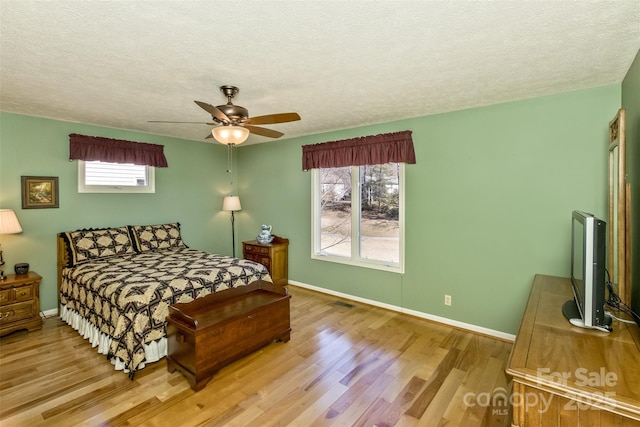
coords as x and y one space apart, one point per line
50 313
443 320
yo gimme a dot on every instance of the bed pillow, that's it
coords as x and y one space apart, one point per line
154 237
86 245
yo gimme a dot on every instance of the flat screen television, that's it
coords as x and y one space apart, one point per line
588 275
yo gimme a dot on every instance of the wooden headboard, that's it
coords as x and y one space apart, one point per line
63 260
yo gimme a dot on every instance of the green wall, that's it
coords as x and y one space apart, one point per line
189 191
488 204
631 102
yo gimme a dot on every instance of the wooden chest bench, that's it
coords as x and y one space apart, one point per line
211 332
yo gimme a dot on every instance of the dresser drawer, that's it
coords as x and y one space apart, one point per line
18 311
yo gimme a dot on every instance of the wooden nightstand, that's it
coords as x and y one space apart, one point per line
20 302
274 256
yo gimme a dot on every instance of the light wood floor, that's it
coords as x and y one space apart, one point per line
344 366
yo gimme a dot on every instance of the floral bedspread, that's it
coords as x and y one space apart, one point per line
127 297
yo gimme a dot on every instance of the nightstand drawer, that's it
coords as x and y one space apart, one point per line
23 293
22 310
5 296
258 258
256 249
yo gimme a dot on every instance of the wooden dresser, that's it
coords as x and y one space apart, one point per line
20 302
274 256
566 375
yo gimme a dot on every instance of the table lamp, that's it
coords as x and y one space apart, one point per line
9 224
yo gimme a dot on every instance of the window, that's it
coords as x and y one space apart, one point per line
103 177
358 215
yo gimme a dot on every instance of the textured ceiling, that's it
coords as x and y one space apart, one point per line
339 64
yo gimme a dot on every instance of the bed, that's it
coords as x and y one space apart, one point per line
115 286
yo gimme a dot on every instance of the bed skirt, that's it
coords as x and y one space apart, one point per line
153 351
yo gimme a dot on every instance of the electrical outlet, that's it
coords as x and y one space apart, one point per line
447 300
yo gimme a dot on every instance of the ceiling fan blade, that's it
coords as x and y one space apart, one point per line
209 136
195 123
213 111
270 119
264 131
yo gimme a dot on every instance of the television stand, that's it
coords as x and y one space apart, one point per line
563 375
571 312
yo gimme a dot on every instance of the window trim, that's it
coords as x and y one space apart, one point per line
316 196
149 188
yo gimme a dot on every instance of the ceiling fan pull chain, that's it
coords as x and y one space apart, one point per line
230 163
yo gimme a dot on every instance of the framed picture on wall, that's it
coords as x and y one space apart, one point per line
39 192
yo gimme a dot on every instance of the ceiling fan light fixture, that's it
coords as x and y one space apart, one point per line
230 134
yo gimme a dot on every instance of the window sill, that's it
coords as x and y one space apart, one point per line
374 265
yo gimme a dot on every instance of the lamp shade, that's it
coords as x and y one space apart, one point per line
230 134
231 203
9 223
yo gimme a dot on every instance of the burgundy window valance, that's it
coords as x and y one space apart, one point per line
91 148
396 147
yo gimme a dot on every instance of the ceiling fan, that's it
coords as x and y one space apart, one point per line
233 123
